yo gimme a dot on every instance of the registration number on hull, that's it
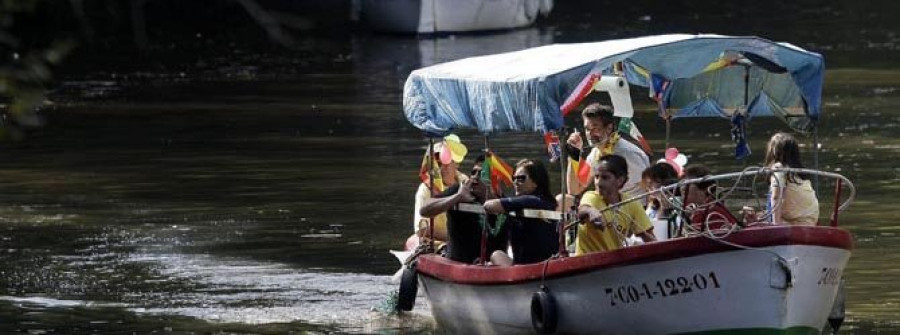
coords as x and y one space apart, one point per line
669 287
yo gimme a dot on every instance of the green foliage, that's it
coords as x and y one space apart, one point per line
24 71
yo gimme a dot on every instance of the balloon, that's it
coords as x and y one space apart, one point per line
446 156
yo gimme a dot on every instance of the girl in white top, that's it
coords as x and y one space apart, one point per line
792 197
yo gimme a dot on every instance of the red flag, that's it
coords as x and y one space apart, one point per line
500 171
584 171
581 91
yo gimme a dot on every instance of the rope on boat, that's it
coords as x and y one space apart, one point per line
423 248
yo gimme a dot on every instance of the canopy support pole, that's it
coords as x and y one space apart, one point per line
816 155
746 107
746 86
668 130
563 159
483 260
431 190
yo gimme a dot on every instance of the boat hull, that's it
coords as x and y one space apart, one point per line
787 288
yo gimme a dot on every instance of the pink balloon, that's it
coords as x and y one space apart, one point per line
671 153
446 155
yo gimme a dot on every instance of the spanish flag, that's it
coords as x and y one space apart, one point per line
435 171
497 171
583 170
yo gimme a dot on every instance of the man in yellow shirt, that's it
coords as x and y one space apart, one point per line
605 229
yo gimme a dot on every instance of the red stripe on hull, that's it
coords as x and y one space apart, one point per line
450 271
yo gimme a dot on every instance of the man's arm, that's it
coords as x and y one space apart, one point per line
641 221
435 206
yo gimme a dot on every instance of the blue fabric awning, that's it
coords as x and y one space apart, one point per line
523 90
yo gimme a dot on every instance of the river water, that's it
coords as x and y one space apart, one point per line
259 192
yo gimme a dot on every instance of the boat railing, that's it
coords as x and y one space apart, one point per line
525 213
754 172
570 220
726 193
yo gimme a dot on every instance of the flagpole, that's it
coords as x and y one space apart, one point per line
430 190
563 158
668 131
484 228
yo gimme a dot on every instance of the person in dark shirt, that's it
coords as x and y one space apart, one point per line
464 227
532 239
708 212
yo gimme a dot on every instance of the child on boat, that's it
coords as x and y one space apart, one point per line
706 211
654 177
531 239
607 230
792 198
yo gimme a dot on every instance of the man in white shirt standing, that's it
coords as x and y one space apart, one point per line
603 139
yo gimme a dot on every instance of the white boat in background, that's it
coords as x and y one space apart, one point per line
761 279
448 16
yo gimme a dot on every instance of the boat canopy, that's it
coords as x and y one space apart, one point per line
688 75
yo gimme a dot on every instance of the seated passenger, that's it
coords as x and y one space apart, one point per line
656 176
453 152
792 199
464 228
700 199
607 230
532 239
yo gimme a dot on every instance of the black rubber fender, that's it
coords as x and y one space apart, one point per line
543 311
409 287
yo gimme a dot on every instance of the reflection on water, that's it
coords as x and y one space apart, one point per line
251 200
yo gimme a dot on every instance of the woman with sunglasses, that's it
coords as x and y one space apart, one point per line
604 229
532 240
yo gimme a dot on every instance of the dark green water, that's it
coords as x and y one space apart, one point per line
249 199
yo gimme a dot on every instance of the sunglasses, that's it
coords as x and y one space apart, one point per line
520 178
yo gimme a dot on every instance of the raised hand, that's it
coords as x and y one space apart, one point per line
464 194
575 140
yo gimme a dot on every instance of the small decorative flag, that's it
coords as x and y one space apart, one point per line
553 149
581 91
627 126
739 135
497 171
435 171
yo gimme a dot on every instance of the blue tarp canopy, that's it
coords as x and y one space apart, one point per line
704 75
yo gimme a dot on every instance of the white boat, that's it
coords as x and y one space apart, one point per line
448 16
760 279
783 280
